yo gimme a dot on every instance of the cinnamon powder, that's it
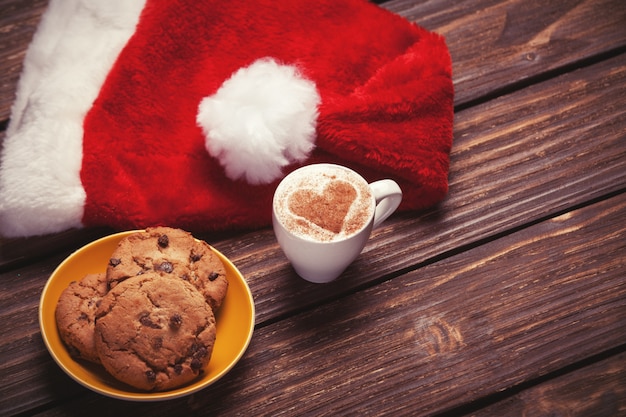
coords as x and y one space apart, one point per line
327 210
324 203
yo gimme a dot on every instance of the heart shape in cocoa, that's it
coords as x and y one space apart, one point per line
327 209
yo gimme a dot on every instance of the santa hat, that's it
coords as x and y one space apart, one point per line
131 113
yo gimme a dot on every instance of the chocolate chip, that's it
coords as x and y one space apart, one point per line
178 368
197 352
175 321
195 257
213 276
157 342
146 321
150 375
114 262
164 241
165 267
200 353
196 364
83 316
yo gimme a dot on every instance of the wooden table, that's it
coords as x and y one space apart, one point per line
509 298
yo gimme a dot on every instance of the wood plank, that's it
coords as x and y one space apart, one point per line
513 164
598 154
22 349
595 390
448 334
18 21
496 45
16 252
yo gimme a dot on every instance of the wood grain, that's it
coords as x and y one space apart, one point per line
479 322
481 303
497 46
18 21
595 390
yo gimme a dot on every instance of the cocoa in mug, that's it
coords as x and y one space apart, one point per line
323 215
324 203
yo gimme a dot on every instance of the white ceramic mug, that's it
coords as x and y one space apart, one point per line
316 253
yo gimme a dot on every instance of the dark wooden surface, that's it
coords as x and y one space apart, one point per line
509 298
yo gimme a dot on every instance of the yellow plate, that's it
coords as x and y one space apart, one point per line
235 324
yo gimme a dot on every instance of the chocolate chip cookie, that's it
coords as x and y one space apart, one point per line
170 252
154 333
76 312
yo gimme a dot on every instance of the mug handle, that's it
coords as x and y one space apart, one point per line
388 196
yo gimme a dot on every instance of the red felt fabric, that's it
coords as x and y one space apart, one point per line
386 109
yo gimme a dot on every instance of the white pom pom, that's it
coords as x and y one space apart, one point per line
260 120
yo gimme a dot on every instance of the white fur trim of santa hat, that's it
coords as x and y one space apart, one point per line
260 120
66 64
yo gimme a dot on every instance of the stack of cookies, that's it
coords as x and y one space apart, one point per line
150 318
